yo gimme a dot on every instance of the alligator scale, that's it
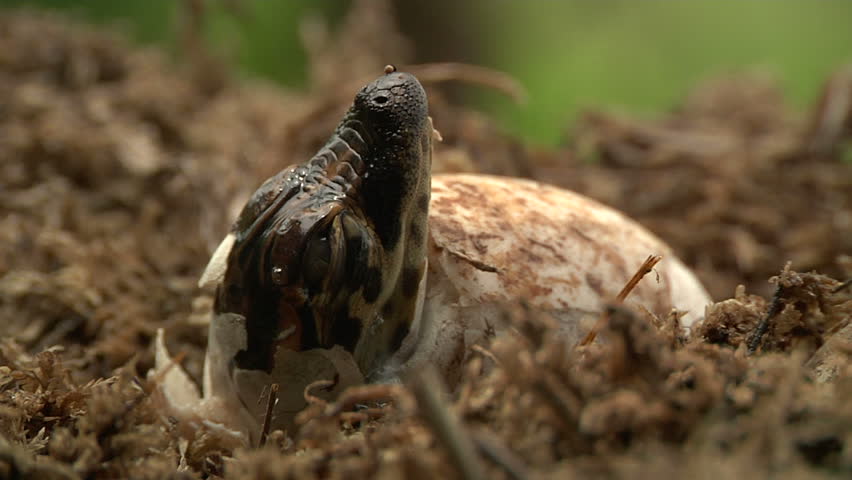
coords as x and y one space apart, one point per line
359 265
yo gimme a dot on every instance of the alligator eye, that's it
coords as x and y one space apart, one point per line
380 99
317 259
324 261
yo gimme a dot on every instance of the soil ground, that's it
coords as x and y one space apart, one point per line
119 173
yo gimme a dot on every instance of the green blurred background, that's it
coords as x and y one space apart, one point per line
636 56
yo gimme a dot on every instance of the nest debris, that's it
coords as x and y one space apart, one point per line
109 155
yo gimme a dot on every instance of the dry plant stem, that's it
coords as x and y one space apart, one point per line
313 399
485 353
644 269
48 338
427 73
430 393
364 394
842 286
774 309
831 114
472 74
192 23
352 418
267 419
566 405
490 446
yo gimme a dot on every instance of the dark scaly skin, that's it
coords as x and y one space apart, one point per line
331 252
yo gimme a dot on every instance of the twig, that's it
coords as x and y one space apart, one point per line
54 336
842 286
644 269
831 114
426 73
363 394
351 418
564 403
312 399
192 16
486 353
472 74
491 447
763 326
430 392
267 419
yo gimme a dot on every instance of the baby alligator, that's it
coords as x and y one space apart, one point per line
322 276
332 252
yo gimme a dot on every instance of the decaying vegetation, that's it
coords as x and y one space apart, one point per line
119 173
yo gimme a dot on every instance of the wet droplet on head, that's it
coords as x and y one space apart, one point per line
279 276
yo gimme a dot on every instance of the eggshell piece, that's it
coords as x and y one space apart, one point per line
182 401
831 360
218 264
500 239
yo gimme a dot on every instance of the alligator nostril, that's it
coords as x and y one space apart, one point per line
380 99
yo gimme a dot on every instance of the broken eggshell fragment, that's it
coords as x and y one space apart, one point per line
222 408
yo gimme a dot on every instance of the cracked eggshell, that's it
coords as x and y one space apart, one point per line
234 400
243 393
294 372
831 360
498 240
180 397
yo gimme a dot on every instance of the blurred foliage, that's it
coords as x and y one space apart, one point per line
260 36
147 21
643 56
636 56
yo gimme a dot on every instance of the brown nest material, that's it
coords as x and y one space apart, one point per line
120 172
